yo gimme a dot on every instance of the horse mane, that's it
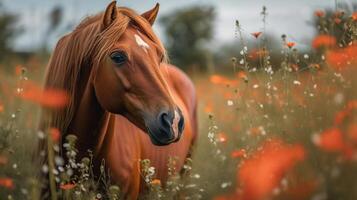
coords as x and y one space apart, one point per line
86 46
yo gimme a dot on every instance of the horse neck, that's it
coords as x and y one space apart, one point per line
89 117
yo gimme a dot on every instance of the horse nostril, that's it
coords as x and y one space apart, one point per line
165 120
181 124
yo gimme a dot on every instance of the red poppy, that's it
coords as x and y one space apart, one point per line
67 186
337 20
7 183
55 134
222 137
18 70
156 182
239 153
319 13
1 108
256 34
352 132
331 140
221 80
263 171
290 44
354 16
341 58
257 53
340 117
53 98
323 41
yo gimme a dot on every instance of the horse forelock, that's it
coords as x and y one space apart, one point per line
87 45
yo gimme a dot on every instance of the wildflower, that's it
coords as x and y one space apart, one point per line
67 186
55 134
330 140
238 153
7 183
50 97
222 137
1 108
221 80
290 44
340 117
258 53
319 13
337 20
242 75
354 16
342 58
156 182
19 70
323 41
264 170
256 34
352 132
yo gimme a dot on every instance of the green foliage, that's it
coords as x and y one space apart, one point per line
8 31
187 32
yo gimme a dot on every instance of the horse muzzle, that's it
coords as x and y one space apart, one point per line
167 127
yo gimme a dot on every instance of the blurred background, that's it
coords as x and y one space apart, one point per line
200 35
264 70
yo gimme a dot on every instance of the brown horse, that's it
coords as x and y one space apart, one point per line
126 102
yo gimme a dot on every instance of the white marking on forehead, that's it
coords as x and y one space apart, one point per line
141 43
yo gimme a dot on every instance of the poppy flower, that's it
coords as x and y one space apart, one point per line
156 182
337 20
342 58
18 70
290 44
323 41
7 183
340 117
50 97
1 108
238 153
319 13
331 140
352 132
264 170
256 34
55 134
67 186
222 137
354 16
221 80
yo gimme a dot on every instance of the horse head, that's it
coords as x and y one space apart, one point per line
127 78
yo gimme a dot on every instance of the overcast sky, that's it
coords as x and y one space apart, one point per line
290 17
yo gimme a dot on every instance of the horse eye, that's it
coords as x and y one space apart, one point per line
118 57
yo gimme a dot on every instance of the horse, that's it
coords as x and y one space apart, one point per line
126 102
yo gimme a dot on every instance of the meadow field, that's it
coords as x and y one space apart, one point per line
282 129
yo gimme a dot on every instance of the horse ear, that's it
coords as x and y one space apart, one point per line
151 15
110 15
